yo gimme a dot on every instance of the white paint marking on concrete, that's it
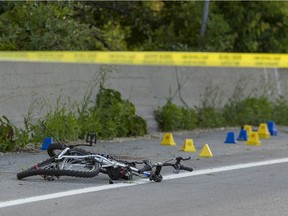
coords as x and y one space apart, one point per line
142 181
227 168
65 194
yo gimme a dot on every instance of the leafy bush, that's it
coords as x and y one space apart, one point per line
6 135
209 117
280 111
230 113
110 117
189 118
250 110
89 121
137 126
61 121
117 116
169 117
209 113
172 117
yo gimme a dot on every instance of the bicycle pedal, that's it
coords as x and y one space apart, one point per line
48 178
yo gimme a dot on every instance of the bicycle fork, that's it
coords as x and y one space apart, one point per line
155 175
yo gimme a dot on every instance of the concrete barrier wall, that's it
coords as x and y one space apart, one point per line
35 87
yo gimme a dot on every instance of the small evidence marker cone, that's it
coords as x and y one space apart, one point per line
242 135
272 128
168 140
46 142
248 128
263 131
230 138
253 139
188 146
206 152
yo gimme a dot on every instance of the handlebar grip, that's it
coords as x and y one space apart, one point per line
186 168
145 168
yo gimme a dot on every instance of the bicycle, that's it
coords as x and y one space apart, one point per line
77 162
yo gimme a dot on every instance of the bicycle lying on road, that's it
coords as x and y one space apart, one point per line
73 161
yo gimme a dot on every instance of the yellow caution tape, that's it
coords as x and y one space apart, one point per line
201 59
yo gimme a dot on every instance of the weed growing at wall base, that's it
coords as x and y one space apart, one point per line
250 110
171 117
280 111
6 135
109 116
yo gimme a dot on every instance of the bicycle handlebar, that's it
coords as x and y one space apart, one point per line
178 159
177 165
189 169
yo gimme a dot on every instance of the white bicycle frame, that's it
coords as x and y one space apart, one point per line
103 161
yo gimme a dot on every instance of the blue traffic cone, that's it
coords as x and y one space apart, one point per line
272 128
47 141
242 135
230 138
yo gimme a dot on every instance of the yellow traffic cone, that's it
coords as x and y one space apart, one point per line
248 128
253 139
168 140
206 152
263 131
188 146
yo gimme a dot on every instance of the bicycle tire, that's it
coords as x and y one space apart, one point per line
54 146
57 146
26 173
39 169
58 173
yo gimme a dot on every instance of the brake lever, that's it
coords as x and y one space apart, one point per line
178 159
146 162
177 165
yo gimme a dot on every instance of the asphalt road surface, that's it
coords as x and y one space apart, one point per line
238 180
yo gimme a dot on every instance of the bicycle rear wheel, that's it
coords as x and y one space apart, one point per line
50 168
